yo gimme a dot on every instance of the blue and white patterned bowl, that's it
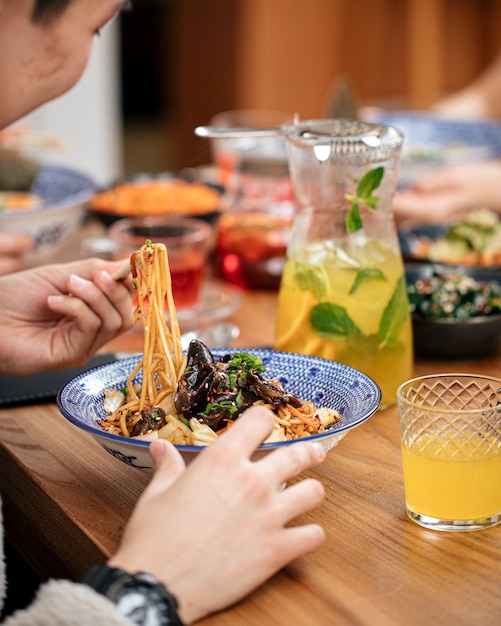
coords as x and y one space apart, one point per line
63 194
327 383
432 141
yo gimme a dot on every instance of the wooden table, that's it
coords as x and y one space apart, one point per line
66 502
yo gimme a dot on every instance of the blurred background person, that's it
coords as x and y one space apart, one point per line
12 250
83 129
56 316
455 189
480 99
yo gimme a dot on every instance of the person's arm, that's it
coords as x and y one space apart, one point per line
449 191
221 527
13 247
57 316
480 99
64 603
210 533
60 603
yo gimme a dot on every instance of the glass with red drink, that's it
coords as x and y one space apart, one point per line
187 242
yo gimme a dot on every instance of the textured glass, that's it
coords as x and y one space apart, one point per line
467 407
451 450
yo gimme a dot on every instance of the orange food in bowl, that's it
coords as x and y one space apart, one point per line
157 197
18 200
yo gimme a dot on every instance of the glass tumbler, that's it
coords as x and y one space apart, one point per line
451 450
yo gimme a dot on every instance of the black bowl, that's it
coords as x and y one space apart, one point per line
108 218
452 338
410 236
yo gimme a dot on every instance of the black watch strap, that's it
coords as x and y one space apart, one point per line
140 597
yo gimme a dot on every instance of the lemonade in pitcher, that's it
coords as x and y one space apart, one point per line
358 316
343 294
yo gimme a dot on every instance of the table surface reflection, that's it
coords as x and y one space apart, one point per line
66 502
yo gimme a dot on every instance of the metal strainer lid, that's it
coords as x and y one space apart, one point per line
345 140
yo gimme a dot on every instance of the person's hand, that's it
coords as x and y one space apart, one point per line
57 316
216 530
447 191
13 247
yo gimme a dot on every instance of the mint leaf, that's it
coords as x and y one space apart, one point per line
353 219
310 278
394 315
369 182
366 274
366 185
331 321
372 202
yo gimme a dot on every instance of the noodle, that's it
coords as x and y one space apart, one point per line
149 410
163 362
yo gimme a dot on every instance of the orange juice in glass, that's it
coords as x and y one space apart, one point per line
451 450
452 478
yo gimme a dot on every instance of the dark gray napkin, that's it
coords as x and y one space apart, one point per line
35 388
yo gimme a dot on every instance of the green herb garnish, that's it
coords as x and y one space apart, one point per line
369 182
243 362
310 278
364 275
227 405
331 321
394 315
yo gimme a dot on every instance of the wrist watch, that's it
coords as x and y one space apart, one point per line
141 598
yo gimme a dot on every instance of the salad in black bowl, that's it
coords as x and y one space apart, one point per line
456 312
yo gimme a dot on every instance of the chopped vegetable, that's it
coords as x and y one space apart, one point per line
471 239
113 399
453 295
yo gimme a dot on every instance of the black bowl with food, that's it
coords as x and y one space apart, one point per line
470 240
157 194
456 312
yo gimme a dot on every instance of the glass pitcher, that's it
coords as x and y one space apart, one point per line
343 294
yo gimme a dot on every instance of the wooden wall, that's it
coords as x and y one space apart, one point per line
289 54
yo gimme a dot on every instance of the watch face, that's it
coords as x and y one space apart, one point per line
141 598
142 605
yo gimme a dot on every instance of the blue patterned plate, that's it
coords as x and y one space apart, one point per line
62 186
62 193
327 383
432 141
